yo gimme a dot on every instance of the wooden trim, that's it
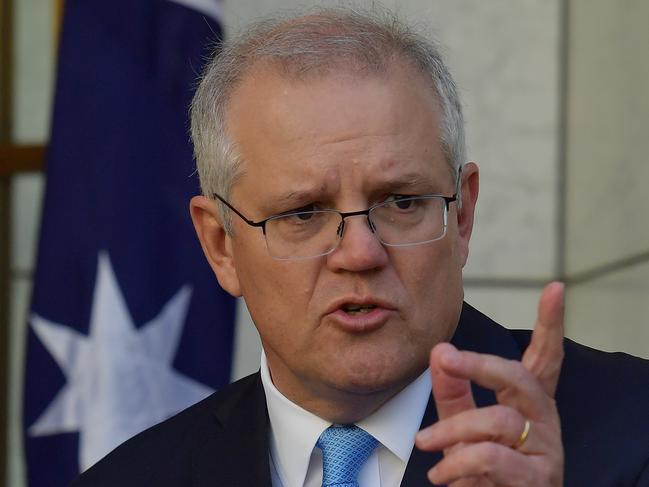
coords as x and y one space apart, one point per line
20 158
59 6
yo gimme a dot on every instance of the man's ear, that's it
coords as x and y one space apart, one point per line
216 243
466 212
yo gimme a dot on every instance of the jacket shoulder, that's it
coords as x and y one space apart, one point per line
587 373
165 454
603 402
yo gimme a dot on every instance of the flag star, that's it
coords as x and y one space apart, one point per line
120 378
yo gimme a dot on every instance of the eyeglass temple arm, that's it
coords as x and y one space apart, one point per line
458 185
261 224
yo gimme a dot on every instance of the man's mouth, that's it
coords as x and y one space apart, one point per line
359 314
356 309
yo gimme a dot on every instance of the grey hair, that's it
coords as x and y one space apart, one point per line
316 43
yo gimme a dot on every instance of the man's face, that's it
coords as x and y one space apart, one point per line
345 142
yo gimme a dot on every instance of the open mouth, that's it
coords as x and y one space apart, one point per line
357 309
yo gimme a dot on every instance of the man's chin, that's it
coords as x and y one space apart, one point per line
373 384
353 399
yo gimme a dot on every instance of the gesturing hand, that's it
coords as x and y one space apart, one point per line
516 442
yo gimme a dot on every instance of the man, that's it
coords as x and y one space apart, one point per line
337 202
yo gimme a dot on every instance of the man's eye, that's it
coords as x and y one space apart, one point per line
403 204
400 202
304 216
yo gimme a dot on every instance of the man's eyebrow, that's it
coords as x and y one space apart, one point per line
404 182
296 196
410 181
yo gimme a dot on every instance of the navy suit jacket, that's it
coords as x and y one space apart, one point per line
603 401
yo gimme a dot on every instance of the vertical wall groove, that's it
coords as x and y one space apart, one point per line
562 140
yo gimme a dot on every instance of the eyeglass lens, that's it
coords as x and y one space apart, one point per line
402 222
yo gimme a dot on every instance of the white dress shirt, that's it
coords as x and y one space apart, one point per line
296 462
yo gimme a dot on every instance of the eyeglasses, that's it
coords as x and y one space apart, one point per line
401 221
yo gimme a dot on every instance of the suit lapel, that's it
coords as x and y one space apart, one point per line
421 462
477 333
237 452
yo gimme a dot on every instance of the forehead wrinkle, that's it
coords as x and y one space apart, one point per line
352 137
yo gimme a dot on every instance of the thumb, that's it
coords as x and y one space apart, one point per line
452 394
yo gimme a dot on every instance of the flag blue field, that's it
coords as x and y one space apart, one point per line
127 324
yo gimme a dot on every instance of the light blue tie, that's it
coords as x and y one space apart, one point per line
344 451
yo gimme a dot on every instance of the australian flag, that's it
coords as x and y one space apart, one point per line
127 325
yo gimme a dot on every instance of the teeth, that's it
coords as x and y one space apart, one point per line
357 309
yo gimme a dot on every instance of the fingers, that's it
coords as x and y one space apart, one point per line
452 394
488 444
513 384
544 355
501 465
452 371
498 424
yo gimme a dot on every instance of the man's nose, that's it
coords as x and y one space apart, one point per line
359 248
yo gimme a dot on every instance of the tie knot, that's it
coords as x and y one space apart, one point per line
344 451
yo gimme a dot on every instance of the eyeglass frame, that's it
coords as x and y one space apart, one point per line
344 214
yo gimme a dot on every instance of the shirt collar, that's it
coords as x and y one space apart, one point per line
396 423
295 431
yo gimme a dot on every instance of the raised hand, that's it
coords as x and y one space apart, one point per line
516 442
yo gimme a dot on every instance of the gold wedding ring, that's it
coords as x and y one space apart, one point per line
521 439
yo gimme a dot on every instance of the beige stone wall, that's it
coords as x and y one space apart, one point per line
607 203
